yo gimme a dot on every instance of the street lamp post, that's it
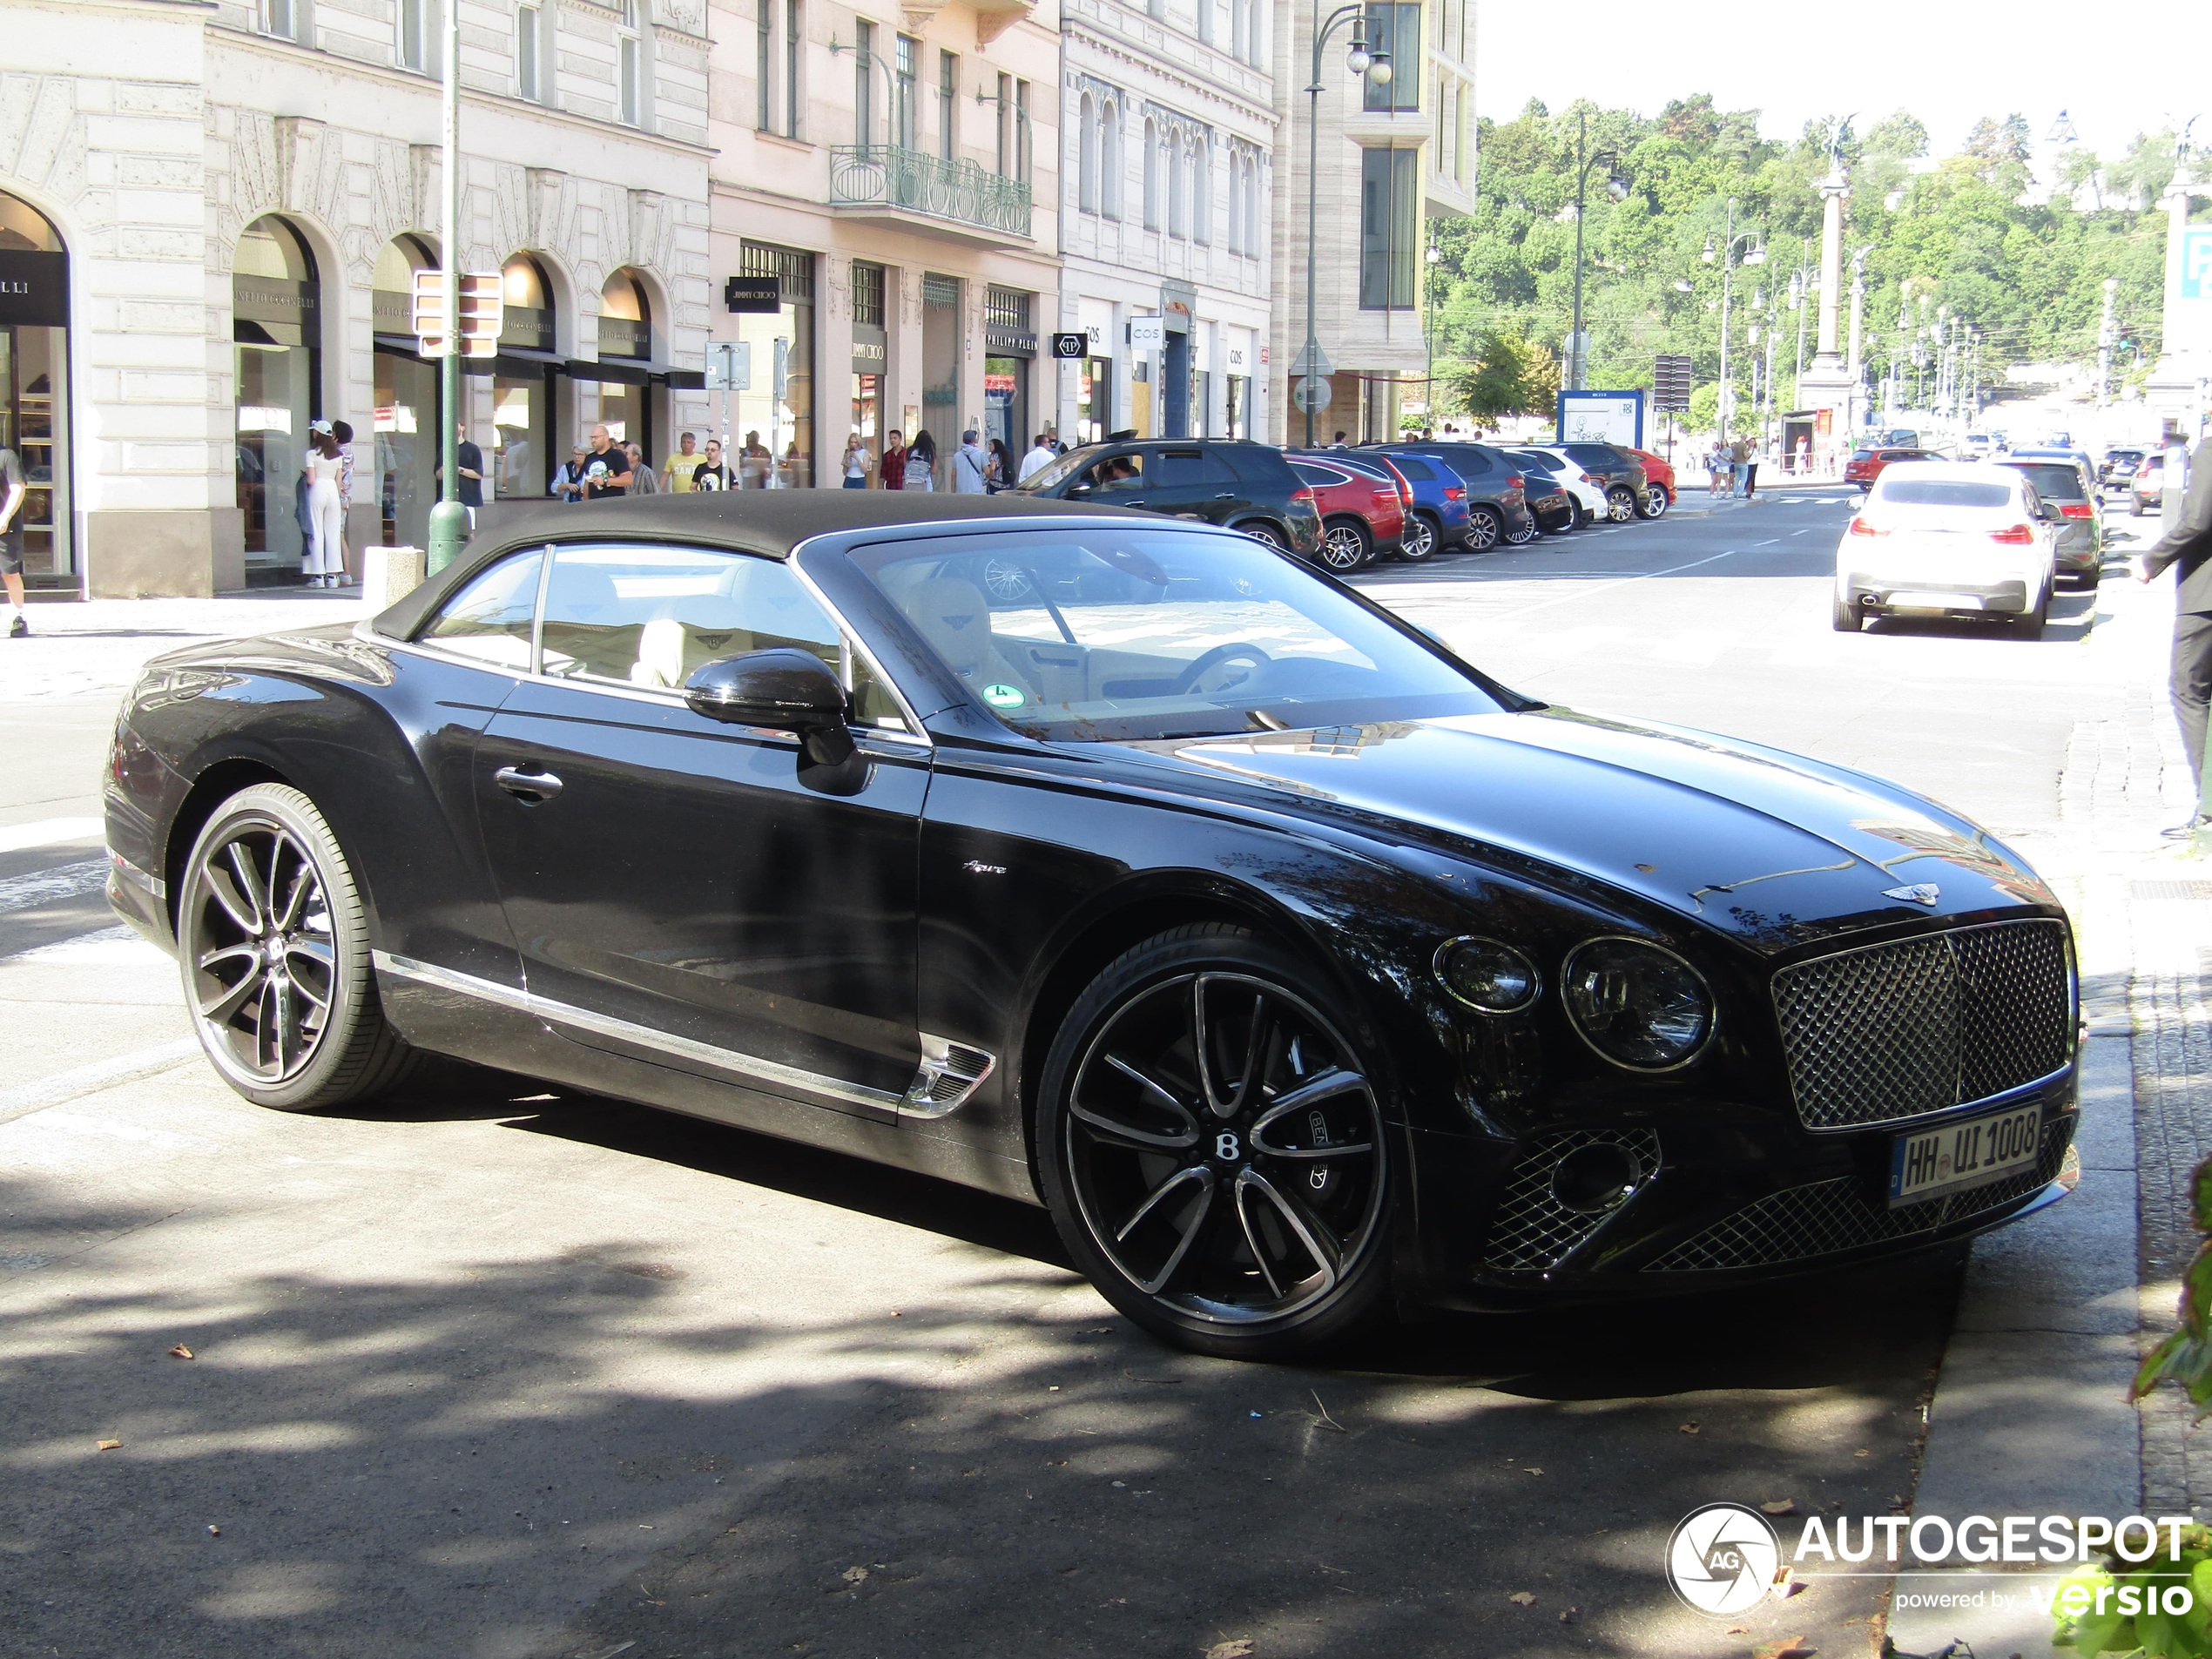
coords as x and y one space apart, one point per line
1361 59
449 526
1754 255
1616 189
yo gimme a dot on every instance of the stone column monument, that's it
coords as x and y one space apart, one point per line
1828 383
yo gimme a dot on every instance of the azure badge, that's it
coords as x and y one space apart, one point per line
1924 893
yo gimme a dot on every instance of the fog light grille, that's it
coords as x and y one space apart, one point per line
1531 1232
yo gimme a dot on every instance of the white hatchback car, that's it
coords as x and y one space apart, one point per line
1589 498
1946 537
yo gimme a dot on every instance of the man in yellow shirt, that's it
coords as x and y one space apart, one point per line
683 465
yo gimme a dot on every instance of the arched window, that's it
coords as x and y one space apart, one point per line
1251 207
1202 192
1087 174
515 426
276 327
1151 174
1110 193
1176 159
1235 204
625 317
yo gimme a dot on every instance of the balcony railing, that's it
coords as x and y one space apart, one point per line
888 175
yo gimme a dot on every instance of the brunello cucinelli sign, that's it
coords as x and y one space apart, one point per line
33 289
256 299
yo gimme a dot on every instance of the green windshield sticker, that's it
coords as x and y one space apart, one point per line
1004 697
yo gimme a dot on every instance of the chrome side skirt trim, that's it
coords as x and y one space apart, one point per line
137 878
748 1066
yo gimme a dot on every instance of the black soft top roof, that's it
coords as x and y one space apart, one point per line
762 520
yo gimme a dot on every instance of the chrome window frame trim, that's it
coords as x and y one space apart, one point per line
543 1007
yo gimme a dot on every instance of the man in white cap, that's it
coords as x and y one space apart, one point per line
968 464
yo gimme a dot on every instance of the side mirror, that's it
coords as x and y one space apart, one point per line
788 688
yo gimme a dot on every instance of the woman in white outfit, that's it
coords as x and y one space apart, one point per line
322 559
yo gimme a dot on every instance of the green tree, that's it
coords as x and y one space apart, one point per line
1505 376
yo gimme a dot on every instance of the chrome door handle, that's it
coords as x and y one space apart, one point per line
528 787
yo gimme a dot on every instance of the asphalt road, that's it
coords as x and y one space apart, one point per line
488 1370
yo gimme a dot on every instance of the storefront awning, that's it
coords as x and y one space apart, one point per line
635 371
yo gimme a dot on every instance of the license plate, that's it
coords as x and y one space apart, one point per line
1959 1155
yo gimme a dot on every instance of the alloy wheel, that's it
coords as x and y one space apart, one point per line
1483 530
1655 501
1420 539
1343 548
1620 503
263 959
1224 1150
1265 533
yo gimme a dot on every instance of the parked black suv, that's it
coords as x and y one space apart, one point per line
1497 501
1247 487
1615 471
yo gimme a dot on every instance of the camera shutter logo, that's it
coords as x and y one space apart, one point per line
1723 1558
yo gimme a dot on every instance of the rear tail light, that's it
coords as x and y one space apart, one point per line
1385 498
2074 510
1860 527
1590 481
1450 494
1514 480
1303 493
2018 536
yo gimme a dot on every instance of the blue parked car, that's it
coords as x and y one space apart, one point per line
1437 520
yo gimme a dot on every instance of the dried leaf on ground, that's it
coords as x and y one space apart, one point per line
1686 1428
1739 1629
1568 1614
1780 1506
1532 1471
1242 1648
1522 1598
109 1446
180 1352
854 1575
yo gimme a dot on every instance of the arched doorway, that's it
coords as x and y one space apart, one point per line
34 390
407 398
520 416
625 337
276 327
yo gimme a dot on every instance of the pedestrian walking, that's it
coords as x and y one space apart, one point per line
606 469
642 481
922 461
568 478
1739 461
344 433
714 473
999 474
893 470
1041 455
320 554
2187 546
754 462
856 463
12 492
1717 469
968 464
680 476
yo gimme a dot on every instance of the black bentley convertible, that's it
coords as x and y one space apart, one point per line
1126 867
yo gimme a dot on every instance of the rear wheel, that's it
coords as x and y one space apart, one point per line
1849 618
1420 538
1653 503
1485 528
1346 545
1620 503
1260 530
1526 534
2029 624
1213 1150
273 948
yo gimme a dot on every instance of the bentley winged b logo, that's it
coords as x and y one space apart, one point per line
1924 893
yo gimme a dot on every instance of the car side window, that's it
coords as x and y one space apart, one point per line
1117 474
489 618
1417 472
652 617
1178 469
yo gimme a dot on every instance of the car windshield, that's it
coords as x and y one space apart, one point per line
1893 491
1104 634
2054 480
1046 476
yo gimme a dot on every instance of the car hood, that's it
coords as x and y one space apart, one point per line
1772 848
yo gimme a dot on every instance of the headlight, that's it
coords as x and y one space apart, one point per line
1485 975
1639 1006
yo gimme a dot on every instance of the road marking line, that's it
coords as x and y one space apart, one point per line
50 886
1770 542
51 832
1608 587
100 1074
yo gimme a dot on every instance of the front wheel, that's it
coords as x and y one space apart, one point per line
274 948
1485 527
1420 538
1262 532
1213 1150
1620 503
1654 502
1346 545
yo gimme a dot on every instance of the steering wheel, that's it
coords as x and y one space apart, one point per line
1237 650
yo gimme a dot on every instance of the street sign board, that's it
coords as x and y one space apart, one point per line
1074 345
1148 333
483 313
1601 417
753 293
1310 395
1312 360
729 365
1671 384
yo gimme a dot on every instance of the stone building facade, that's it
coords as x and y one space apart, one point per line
223 220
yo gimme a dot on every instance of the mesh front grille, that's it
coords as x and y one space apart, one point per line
1532 1230
1830 1216
1894 1031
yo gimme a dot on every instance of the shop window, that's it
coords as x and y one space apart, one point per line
405 433
35 387
277 335
772 420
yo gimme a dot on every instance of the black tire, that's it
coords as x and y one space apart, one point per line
1260 530
1486 528
1212 1218
2091 579
1848 618
2028 625
1583 517
1346 545
273 947
1526 534
1421 538
1653 503
1620 503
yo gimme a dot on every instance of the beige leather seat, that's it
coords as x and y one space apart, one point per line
956 621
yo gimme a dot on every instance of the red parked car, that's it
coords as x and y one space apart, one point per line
1865 465
1658 484
1363 512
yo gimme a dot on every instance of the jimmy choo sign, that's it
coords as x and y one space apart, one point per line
33 289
